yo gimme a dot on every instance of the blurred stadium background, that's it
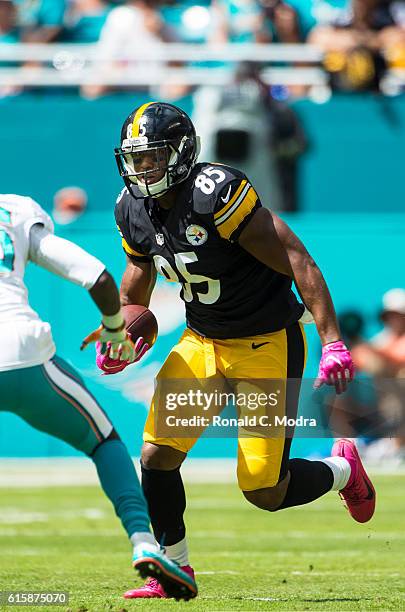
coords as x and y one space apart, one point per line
306 96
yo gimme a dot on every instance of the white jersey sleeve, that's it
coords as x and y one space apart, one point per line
35 214
64 258
27 340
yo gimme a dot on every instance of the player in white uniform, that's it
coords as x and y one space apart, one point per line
49 394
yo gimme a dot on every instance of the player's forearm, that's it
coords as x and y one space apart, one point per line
105 295
137 284
315 294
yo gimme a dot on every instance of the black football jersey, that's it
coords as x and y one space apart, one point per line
227 292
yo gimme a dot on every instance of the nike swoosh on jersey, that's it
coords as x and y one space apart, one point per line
228 195
256 346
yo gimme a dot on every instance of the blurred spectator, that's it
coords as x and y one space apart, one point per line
85 20
384 355
238 21
355 413
289 143
384 358
135 25
9 33
361 41
281 20
8 22
286 138
244 126
69 203
41 21
374 24
259 21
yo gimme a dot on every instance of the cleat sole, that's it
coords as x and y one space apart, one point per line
173 585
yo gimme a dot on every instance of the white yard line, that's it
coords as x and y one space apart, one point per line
62 472
77 471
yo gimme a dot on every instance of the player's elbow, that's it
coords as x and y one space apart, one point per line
304 263
312 271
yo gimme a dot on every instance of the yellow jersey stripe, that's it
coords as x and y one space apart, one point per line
130 250
138 115
231 201
234 206
227 227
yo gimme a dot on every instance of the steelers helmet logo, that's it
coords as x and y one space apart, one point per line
196 235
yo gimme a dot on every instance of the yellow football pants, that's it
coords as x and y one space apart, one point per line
262 461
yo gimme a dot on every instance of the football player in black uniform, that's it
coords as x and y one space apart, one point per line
202 225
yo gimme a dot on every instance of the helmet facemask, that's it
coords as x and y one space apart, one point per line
156 167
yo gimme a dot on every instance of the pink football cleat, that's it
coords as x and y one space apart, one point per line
152 588
359 494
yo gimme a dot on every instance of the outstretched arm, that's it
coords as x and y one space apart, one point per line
73 263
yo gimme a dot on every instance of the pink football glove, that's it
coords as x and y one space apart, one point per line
336 366
113 366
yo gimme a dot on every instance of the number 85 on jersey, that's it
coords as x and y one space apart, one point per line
190 293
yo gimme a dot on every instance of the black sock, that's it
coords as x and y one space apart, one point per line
164 492
309 480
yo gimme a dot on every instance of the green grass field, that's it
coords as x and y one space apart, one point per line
309 558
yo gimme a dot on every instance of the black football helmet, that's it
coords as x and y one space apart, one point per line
159 148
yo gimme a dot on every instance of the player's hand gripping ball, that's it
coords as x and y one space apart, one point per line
336 367
140 332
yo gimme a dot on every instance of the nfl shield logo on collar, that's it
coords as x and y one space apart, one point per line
160 239
196 235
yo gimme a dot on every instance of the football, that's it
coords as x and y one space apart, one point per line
140 321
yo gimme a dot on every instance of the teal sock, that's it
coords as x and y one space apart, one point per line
121 485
